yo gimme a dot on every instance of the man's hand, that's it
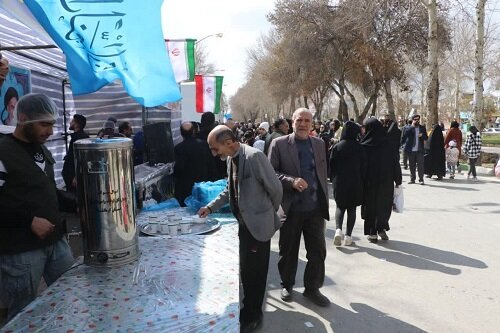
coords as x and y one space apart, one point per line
299 184
204 211
42 227
73 182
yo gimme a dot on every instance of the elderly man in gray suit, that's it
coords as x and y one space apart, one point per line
300 162
254 194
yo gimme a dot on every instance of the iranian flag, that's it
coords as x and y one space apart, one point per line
208 93
181 53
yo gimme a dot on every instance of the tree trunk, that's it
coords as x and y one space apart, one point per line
456 109
432 58
390 100
319 110
422 95
292 105
372 100
343 109
354 103
374 106
477 114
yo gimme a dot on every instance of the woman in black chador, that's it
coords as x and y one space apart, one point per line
347 171
435 159
383 172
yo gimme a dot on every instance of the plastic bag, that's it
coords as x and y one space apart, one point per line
170 203
398 201
205 192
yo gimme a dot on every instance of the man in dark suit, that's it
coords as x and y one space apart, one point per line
414 140
76 125
300 162
192 163
254 194
280 128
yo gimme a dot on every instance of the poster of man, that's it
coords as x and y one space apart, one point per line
17 83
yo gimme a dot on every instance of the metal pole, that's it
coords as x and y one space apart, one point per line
64 114
34 47
215 35
39 60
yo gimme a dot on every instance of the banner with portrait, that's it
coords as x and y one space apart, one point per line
17 84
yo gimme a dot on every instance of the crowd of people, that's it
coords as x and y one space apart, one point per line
362 162
277 180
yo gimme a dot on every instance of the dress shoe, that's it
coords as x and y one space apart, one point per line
316 297
286 294
251 326
372 238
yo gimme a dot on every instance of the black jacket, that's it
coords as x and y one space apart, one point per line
435 160
408 138
193 163
348 168
383 172
27 192
68 170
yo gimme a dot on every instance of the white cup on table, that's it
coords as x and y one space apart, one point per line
153 227
163 228
153 223
185 226
172 228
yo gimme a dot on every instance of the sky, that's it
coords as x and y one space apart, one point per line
241 22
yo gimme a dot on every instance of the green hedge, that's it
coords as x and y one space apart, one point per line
491 139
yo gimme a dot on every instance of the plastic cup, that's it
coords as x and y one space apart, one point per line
197 219
153 227
185 227
163 228
172 228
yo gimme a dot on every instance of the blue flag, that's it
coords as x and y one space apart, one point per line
105 40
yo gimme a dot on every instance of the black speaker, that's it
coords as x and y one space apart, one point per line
159 143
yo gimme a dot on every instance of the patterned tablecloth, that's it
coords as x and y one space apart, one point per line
180 284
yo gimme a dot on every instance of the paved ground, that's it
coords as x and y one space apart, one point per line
439 272
492 150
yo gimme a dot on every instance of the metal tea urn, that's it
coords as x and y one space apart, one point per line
106 201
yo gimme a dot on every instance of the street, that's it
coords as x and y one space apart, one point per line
439 272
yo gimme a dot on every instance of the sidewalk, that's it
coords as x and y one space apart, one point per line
438 272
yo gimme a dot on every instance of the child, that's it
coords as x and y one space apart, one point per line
452 157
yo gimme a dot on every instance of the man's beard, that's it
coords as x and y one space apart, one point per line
30 135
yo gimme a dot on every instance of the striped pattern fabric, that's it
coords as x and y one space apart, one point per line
48 76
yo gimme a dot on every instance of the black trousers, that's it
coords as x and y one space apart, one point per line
254 264
416 160
472 167
312 226
351 219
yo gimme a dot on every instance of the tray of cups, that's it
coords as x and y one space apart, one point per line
175 226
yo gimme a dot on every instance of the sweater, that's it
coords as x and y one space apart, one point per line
26 191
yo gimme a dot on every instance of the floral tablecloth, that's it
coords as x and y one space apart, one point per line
184 284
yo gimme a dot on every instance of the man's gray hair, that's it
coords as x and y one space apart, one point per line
225 134
300 110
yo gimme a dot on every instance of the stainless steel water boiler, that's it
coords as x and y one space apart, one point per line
105 178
